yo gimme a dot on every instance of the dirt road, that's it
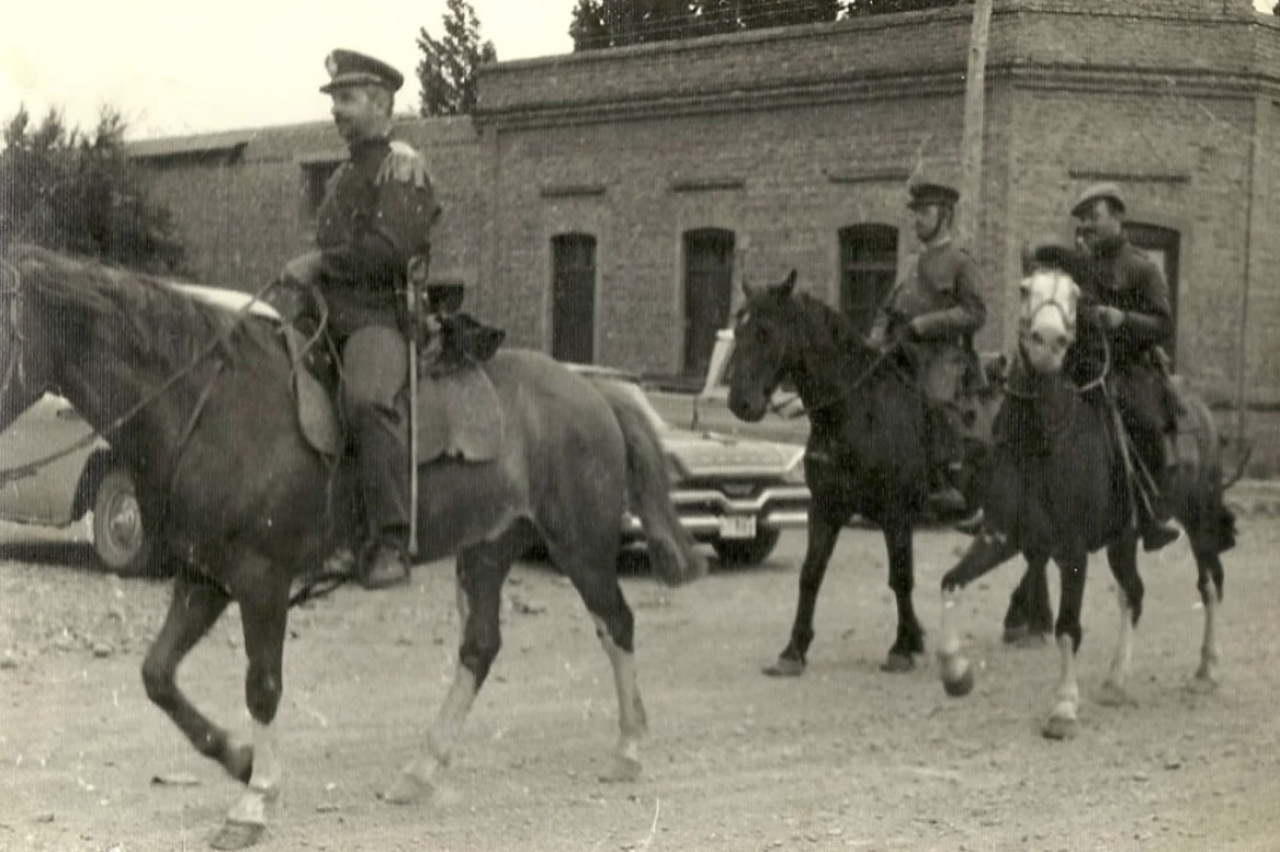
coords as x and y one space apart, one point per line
845 757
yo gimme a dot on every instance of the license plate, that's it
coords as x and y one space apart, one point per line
738 526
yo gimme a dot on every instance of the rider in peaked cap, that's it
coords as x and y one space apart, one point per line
1092 193
349 68
924 194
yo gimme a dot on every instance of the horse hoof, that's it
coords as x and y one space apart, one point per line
957 678
1110 695
1031 641
785 667
1059 728
408 789
1202 684
1014 635
898 663
623 770
235 834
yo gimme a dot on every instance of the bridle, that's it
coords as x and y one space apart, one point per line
13 292
1059 301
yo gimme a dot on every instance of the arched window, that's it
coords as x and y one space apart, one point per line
573 298
868 269
1162 246
708 291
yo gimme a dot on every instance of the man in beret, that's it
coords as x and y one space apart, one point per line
372 227
933 312
1134 308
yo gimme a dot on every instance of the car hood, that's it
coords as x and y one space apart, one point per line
712 453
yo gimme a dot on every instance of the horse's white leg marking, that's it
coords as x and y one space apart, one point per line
1207 674
633 724
957 676
1113 688
1062 722
264 784
418 779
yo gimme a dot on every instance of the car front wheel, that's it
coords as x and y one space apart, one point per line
751 551
120 539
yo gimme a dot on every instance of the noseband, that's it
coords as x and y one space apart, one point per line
1060 300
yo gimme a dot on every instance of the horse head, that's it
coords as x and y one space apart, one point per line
24 362
1047 307
768 342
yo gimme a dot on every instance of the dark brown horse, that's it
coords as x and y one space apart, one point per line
866 451
197 399
1057 490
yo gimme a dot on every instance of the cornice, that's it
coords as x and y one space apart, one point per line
826 90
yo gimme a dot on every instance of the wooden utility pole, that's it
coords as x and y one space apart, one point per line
974 106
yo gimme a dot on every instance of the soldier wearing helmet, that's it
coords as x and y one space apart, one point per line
933 313
1134 308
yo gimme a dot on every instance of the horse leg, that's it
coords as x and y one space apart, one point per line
615 627
1122 555
265 613
1063 723
1209 583
194 608
985 552
481 571
1029 619
910 638
824 529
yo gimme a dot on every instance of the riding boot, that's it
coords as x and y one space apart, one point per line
946 454
387 564
1153 517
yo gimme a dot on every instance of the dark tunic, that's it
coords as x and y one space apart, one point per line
942 288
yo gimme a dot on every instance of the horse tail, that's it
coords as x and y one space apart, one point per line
1204 488
671 550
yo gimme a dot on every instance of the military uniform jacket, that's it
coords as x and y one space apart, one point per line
1124 278
366 232
942 288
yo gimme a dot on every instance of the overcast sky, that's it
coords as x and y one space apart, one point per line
184 66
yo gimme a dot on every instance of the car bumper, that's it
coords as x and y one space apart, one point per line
703 513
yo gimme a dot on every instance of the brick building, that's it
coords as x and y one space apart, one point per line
605 206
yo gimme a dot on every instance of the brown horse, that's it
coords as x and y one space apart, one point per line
198 400
1057 489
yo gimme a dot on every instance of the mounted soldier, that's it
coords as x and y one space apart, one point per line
1134 308
933 313
373 227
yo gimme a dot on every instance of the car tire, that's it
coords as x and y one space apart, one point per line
120 538
749 551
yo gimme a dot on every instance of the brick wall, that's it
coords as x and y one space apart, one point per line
785 136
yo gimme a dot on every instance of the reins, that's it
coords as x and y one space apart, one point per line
218 341
847 390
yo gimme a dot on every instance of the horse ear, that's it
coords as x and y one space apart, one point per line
788 285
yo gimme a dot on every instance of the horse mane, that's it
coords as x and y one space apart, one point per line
155 318
835 324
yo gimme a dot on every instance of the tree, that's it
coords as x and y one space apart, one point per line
618 23
76 192
1276 10
449 66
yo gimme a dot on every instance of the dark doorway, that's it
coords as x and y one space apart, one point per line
708 291
868 270
573 298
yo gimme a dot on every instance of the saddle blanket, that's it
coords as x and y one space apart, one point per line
459 414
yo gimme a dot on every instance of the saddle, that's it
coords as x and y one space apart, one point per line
459 413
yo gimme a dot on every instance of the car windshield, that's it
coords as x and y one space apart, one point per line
634 391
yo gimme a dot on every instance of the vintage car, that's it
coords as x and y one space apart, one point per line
735 493
708 407
89 482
